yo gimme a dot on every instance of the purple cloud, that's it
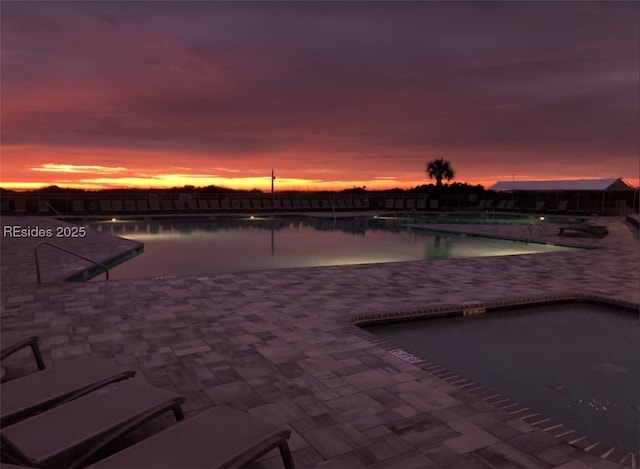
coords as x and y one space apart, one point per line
379 82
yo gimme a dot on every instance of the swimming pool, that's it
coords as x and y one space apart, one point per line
576 363
184 247
482 218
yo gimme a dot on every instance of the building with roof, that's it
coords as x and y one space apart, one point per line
607 196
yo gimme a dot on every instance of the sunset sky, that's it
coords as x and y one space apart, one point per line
329 95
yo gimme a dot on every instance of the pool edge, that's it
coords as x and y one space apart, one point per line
557 429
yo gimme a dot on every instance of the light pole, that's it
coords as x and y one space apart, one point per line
273 178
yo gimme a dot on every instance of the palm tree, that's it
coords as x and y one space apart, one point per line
440 169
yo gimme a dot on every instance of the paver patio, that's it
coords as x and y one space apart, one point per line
278 344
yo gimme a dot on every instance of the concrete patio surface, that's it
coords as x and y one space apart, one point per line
279 344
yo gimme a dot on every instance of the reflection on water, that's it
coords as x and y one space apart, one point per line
180 247
195 227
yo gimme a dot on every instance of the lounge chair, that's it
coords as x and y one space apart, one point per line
154 204
166 205
20 206
77 206
130 205
142 205
221 437
11 343
106 206
43 206
71 434
587 228
562 206
117 206
26 396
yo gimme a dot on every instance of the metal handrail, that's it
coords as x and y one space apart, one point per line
520 237
412 211
531 229
42 243
53 208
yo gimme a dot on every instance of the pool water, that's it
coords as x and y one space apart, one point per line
184 247
576 364
482 218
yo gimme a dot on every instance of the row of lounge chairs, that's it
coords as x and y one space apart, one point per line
411 204
153 205
501 205
67 415
434 204
510 204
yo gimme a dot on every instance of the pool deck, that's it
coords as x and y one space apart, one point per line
279 344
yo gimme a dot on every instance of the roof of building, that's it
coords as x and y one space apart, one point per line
608 184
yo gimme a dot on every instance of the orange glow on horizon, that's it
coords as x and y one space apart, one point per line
168 181
263 184
30 167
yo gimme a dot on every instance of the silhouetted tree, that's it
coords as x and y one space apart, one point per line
440 169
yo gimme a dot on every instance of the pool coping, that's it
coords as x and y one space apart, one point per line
85 275
459 233
557 429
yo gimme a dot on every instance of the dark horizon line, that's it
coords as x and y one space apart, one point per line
221 189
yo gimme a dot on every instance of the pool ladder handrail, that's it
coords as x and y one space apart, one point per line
54 209
42 243
529 227
413 211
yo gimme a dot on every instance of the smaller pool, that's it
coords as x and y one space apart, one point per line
576 363
185 247
481 218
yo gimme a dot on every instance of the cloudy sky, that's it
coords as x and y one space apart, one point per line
330 95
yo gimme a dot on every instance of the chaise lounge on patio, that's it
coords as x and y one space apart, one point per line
26 396
11 343
75 433
220 437
586 228
71 434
